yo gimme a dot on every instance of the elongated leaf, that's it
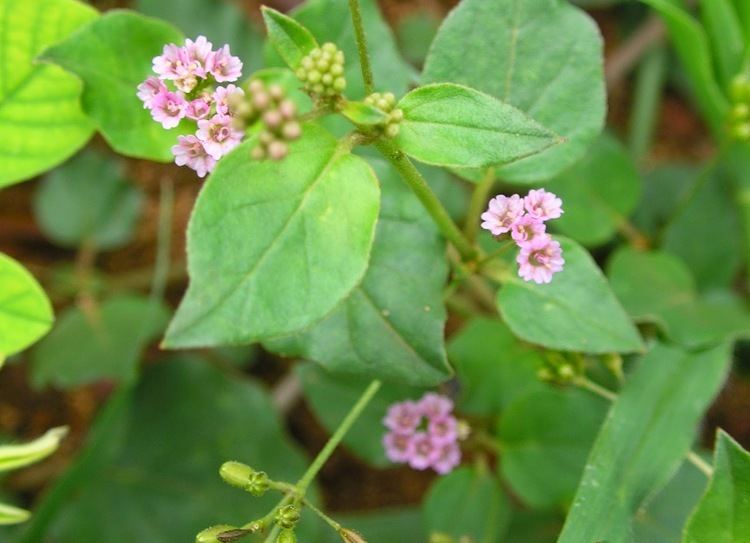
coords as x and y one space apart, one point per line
648 432
542 56
391 326
25 311
577 311
451 125
723 513
41 122
274 246
724 29
18 456
12 515
112 55
291 40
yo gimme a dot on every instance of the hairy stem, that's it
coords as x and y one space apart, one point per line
422 190
478 204
364 56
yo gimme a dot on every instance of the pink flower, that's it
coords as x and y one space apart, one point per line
540 259
443 429
198 109
448 457
190 152
218 134
526 229
435 405
403 417
168 108
169 64
543 205
197 53
148 90
425 450
398 447
222 95
501 213
223 66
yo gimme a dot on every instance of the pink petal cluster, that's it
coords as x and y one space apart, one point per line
193 70
423 434
540 257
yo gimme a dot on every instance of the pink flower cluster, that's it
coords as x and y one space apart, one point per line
423 434
540 256
193 70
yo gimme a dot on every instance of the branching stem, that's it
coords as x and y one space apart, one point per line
364 56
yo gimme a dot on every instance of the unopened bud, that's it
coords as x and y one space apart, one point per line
292 130
287 109
350 536
286 536
277 150
236 474
392 130
272 119
261 100
287 516
223 533
258 483
276 92
258 153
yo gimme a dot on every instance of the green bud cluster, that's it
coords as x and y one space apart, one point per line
322 71
386 102
560 369
242 476
286 536
739 115
288 516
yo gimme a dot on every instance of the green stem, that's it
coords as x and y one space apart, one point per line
701 464
647 98
422 190
478 204
328 520
364 57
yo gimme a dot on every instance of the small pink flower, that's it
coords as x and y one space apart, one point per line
398 447
148 90
218 134
434 405
443 429
543 205
171 62
223 66
168 108
190 152
197 53
222 95
501 213
403 417
526 229
198 109
448 457
540 259
425 450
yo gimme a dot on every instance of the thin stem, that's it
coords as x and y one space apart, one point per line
323 456
478 204
434 207
701 464
163 240
332 523
364 57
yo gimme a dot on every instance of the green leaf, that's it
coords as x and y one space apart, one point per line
112 55
332 396
18 456
664 189
103 343
647 433
25 311
364 114
533 526
291 40
183 421
545 439
415 32
724 29
41 122
723 513
743 12
467 503
598 193
493 367
274 246
577 311
12 515
691 44
391 326
451 125
87 200
543 57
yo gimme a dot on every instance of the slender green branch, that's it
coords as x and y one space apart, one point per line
364 56
328 520
478 204
422 190
701 464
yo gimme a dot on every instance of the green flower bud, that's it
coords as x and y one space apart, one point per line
392 130
236 474
286 536
259 481
322 71
223 533
288 516
339 84
350 536
330 48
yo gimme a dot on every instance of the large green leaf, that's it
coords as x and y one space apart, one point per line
41 122
650 428
290 39
112 55
542 56
274 246
598 193
157 478
723 514
391 325
87 200
467 503
493 367
577 311
452 125
25 311
545 439
103 343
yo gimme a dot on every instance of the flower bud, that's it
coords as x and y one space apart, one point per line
223 533
286 536
288 516
258 483
291 130
322 71
236 474
277 150
350 536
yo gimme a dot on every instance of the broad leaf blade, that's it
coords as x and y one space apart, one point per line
41 122
291 40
